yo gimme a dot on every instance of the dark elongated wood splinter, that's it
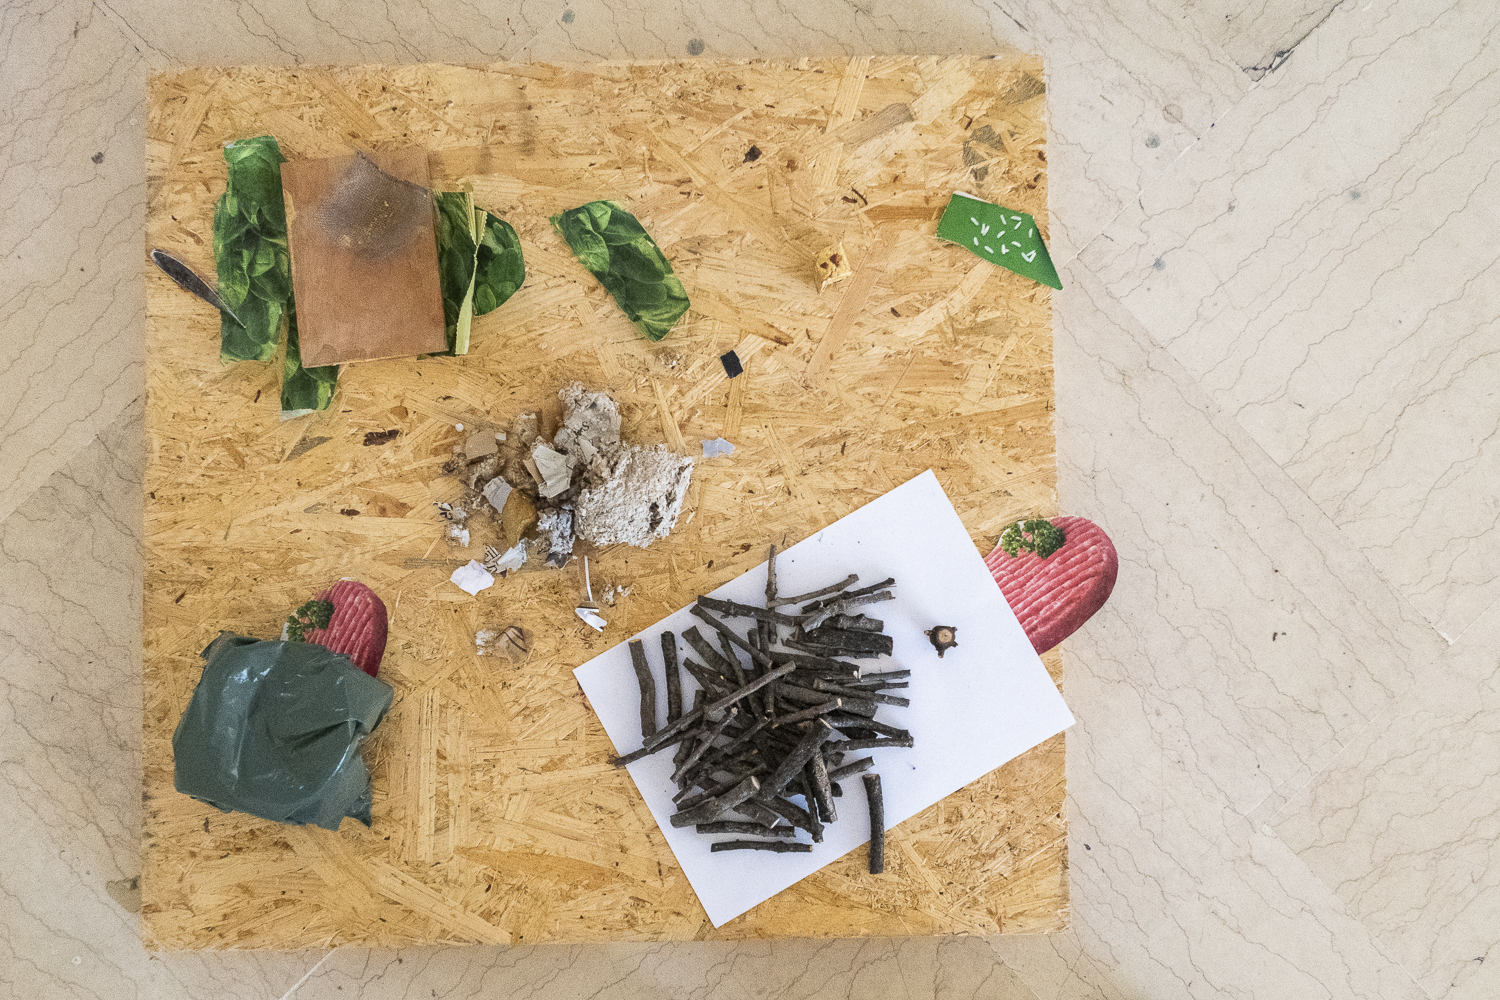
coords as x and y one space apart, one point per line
778 846
877 823
852 578
674 676
648 688
748 829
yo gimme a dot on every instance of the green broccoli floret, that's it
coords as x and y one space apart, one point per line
313 614
1039 536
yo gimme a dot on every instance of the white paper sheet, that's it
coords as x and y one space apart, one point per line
985 702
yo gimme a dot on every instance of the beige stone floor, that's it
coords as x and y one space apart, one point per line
1277 374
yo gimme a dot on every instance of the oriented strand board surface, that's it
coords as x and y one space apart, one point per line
364 257
497 815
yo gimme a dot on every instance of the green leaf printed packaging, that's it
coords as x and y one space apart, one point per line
616 249
998 235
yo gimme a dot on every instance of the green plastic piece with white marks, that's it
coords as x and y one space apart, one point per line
999 235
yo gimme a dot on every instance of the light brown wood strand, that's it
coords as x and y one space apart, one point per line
497 815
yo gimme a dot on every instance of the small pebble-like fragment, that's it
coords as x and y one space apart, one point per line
833 265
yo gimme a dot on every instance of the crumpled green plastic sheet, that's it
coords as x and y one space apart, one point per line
274 730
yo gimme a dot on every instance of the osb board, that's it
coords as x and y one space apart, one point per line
497 815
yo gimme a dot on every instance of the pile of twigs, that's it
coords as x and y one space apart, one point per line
786 724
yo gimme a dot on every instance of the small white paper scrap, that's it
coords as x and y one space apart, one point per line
718 446
472 577
986 702
497 491
554 468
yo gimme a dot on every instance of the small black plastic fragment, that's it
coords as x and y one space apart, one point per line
732 366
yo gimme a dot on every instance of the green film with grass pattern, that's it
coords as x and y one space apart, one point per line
1000 236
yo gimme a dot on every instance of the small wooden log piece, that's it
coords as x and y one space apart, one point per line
816 828
713 683
711 656
843 606
849 640
793 763
761 814
873 744
648 688
685 723
853 767
831 705
771 578
877 823
789 811
821 787
711 810
856 623
776 846
635 755
747 829
674 676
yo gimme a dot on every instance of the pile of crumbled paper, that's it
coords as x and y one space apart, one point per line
584 484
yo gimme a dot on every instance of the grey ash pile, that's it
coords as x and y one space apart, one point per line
584 484
780 714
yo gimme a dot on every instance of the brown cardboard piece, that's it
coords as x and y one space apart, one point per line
364 257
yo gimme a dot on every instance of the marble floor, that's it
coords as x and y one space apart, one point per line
1275 390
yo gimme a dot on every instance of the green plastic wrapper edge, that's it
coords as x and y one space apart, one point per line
998 235
613 246
274 729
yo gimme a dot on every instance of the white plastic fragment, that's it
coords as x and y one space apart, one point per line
591 617
458 535
718 446
472 578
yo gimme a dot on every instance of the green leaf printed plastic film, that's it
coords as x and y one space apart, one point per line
255 273
475 276
998 235
303 390
616 249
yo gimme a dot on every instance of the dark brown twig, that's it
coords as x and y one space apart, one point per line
674 676
728 633
821 787
797 759
734 609
775 846
852 578
751 687
711 656
851 768
877 823
861 592
708 742
711 810
850 745
648 688
749 829
831 705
